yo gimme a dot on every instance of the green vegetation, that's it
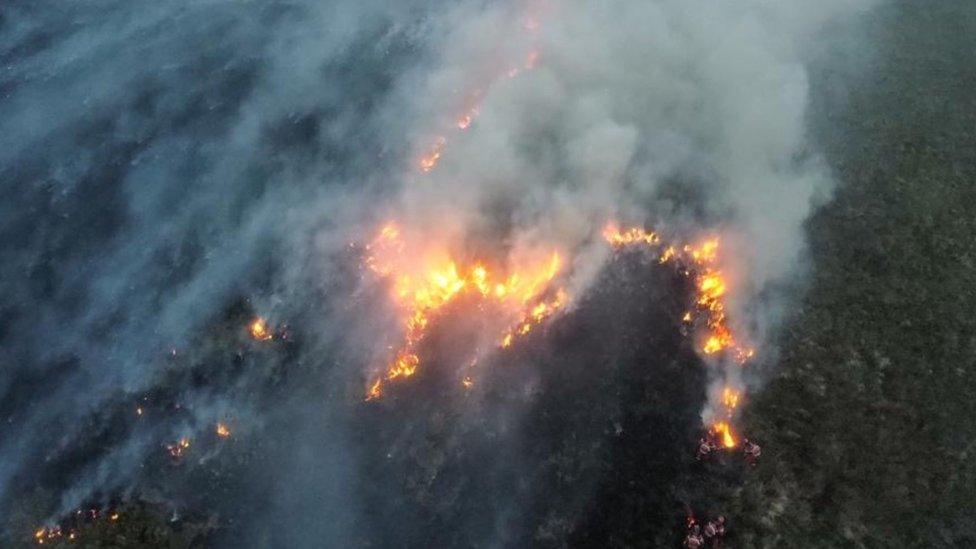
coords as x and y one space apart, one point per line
868 423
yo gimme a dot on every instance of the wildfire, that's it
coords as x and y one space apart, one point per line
464 121
429 160
178 448
259 330
723 432
709 312
68 532
222 430
635 235
422 287
730 398
42 535
699 260
539 313
432 155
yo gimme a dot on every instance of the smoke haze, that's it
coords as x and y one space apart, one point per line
172 169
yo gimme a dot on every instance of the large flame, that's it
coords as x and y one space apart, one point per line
723 432
422 285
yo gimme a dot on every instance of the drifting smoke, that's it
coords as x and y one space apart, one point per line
689 117
161 162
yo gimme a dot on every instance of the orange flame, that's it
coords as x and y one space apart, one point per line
700 261
259 329
54 533
724 432
711 285
422 287
178 448
429 160
730 398
222 430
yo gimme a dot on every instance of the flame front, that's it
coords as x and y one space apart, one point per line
422 288
700 260
709 312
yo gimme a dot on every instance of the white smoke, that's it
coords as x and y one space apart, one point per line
624 97
148 181
620 100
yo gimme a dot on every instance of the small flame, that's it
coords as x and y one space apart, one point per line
178 448
47 534
730 398
701 261
429 160
222 430
724 432
259 330
375 390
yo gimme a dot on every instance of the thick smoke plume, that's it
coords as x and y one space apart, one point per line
172 167
685 116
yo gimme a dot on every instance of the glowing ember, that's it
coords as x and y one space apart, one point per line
467 382
424 286
429 160
47 534
222 430
465 120
259 330
52 534
178 448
